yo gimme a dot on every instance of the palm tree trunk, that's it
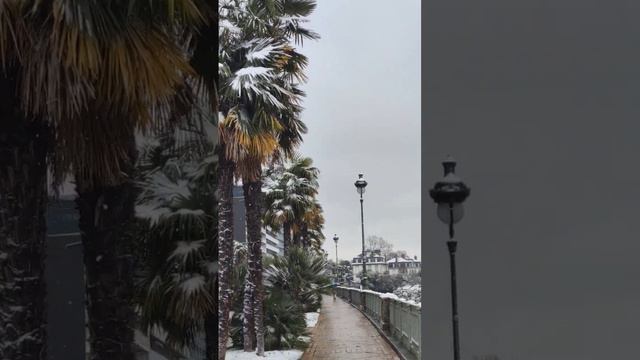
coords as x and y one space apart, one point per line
225 250
254 287
106 212
211 321
23 200
248 324
286 229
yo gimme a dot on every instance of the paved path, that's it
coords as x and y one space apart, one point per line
343 333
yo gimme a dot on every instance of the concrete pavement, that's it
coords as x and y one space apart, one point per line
343 333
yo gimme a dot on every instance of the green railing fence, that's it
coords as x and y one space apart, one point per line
399 320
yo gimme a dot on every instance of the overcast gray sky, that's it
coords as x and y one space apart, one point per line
363 114
538 101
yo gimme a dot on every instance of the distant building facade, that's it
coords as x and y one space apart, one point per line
403 266
377 264
272 241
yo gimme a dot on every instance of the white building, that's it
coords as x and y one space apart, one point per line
272 242
377 264
374 261
403 266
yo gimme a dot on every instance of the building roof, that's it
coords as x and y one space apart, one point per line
401 260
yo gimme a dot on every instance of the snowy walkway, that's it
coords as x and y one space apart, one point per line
343 333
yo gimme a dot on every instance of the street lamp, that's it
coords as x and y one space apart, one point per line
361 184
335 239
449 193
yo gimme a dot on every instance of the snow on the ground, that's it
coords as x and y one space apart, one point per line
305 339
311 318
275 355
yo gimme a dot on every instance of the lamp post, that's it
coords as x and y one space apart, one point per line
335 239
361 184
449 194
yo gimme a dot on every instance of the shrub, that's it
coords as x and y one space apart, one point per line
385 283
301 274
284 321
295 283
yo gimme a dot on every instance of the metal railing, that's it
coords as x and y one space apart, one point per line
399 320
404 321
373 306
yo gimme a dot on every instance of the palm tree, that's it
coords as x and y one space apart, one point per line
290 194
258 69
311 226
104 184
236 142
99 62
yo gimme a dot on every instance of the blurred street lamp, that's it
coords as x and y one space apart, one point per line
335 239
361 184
449 194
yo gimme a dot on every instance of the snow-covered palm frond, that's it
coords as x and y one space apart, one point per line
151 212
189 297
262 50
226 26
177 207
249 78
300 272
163 188
166 200
290 192
186 250
260 70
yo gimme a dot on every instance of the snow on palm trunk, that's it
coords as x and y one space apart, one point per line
22 235
252 191
106 212
286 229
225 250
248 324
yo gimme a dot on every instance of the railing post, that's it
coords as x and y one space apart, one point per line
384 314
418 330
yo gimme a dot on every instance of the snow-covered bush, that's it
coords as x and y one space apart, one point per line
410 292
